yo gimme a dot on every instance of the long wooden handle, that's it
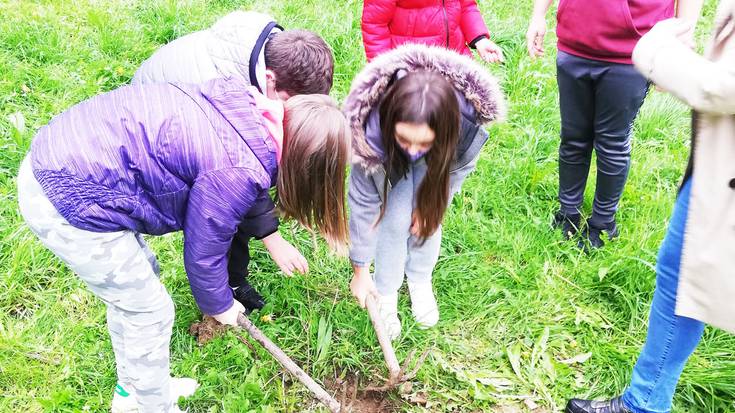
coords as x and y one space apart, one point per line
288 364
394 368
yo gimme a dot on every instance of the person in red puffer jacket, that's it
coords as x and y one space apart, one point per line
454 24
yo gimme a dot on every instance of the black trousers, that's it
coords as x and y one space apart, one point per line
599 102
260 222
239 258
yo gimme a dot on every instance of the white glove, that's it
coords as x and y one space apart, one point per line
229 317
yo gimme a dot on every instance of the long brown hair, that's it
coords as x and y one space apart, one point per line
418 98
311 177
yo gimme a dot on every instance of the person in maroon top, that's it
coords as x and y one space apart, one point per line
600 94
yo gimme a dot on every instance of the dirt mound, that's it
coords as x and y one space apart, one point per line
206 330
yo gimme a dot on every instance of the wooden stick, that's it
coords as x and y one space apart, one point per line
288 364
394 368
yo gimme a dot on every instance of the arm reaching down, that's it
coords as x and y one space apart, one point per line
217 203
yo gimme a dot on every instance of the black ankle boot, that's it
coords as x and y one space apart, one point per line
593 237
248 297
592 406
568 223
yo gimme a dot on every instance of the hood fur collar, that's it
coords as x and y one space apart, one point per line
479 87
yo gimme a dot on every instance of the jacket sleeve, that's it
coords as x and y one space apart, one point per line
261 220
471 21
213 213
706 86
364 201
376 15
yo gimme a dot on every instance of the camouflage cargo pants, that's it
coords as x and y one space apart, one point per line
118 268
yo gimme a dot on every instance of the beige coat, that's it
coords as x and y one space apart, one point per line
707 279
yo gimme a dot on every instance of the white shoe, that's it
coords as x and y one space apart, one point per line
423 304
388 309
125 402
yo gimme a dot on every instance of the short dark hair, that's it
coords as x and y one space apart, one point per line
302 61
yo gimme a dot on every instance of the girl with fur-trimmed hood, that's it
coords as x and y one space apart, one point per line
416 115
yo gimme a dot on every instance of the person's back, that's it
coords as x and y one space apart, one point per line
248 46
222 51
145 147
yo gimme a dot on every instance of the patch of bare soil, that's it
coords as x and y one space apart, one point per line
349 390
206 330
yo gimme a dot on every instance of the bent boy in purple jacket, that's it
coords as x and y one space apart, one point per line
160 158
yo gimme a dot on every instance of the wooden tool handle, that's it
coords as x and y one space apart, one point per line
289 364
394 368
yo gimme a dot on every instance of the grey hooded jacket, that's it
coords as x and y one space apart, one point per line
481 102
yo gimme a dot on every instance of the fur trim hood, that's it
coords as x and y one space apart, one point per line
473 81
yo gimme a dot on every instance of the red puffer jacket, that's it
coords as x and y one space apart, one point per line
453 24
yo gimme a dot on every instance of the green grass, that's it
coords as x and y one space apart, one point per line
515 300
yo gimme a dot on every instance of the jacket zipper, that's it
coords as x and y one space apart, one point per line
446 21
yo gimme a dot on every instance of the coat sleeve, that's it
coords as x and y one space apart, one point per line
376 15
471 21
213 214
707 86
364 201
261 220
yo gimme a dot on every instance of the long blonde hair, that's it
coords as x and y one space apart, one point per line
311 177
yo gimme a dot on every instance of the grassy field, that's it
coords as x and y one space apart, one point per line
527 319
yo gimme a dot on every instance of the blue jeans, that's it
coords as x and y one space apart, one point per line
671 339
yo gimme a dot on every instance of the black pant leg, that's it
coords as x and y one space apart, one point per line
577 107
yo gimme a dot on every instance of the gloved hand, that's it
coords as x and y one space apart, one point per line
229 317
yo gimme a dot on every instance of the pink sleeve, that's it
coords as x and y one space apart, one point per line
471 22
376 15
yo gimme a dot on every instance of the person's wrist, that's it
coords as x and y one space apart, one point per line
361 272
538 17
271 238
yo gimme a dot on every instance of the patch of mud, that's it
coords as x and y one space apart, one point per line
348 389
206 330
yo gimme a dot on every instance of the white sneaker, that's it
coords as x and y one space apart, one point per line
388 309
423 304
125 402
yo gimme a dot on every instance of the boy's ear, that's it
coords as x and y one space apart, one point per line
270 84
270 87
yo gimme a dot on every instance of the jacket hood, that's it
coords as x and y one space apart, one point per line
473 81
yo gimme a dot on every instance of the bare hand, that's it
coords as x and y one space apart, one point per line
489 51
285 255
535 36
362 285
414 225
